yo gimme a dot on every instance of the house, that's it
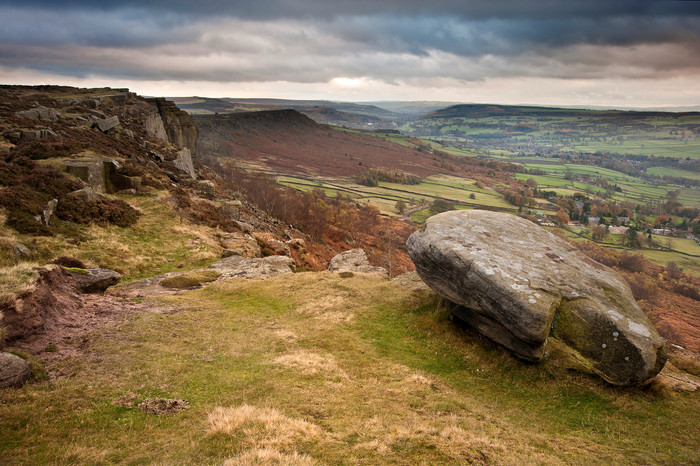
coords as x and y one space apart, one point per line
593 220
618 230
623 220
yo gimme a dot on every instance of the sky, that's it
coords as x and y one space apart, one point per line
614 53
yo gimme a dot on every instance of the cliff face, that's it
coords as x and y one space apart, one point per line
176 124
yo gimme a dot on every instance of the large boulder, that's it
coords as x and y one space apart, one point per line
354 260
534 293
14 371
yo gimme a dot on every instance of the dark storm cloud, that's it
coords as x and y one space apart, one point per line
479 9
392 41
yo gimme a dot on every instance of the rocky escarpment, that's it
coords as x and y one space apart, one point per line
534 293
177 125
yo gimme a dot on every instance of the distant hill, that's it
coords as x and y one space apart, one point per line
322 111
411 108
488 110
288 141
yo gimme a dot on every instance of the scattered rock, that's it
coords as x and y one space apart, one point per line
87 194
271 245
184 162
14 371
262 268
95 280
534 293
40 114
241 243
163 406
354 260
206 187
97 173
49 210
22 251
37 134
231 209
107 124
244 227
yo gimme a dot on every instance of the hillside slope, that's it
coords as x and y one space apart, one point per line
289 142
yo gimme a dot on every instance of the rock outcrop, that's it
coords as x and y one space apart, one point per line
94 280
534 293
178 125
14 371
96 172
354 260
262 268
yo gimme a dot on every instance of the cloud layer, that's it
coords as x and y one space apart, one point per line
389 45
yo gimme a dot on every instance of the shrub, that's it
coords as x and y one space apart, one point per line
24 222
102 211
69 262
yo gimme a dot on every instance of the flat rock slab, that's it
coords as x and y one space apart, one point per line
530 291
263 267
354 260
14 371
95 280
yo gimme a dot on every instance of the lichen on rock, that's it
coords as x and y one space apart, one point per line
532 292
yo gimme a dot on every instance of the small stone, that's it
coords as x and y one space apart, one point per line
14 371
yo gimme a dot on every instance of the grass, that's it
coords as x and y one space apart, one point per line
158 243
316 368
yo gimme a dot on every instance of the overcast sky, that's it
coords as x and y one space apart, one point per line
555 52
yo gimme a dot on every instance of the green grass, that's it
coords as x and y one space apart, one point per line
158 243
664 171
353 370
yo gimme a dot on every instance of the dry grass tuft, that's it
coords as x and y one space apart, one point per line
262 427
270 457
18 280
286 335
333 308
310 363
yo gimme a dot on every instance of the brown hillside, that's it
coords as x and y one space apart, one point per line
290 142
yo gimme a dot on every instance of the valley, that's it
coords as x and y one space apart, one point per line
222 228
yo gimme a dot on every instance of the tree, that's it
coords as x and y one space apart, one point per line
400 206
441 205
561 217
599 232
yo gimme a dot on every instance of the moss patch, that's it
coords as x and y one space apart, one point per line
190 279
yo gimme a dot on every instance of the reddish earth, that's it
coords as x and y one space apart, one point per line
677 319
289 142
56 321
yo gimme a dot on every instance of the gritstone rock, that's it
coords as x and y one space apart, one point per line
354 260
14 371
262 268
532 292
107 124
96 280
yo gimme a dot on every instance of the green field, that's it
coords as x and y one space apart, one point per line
520 129
663 171
385 195
633 189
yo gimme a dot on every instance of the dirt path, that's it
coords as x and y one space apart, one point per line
71 335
